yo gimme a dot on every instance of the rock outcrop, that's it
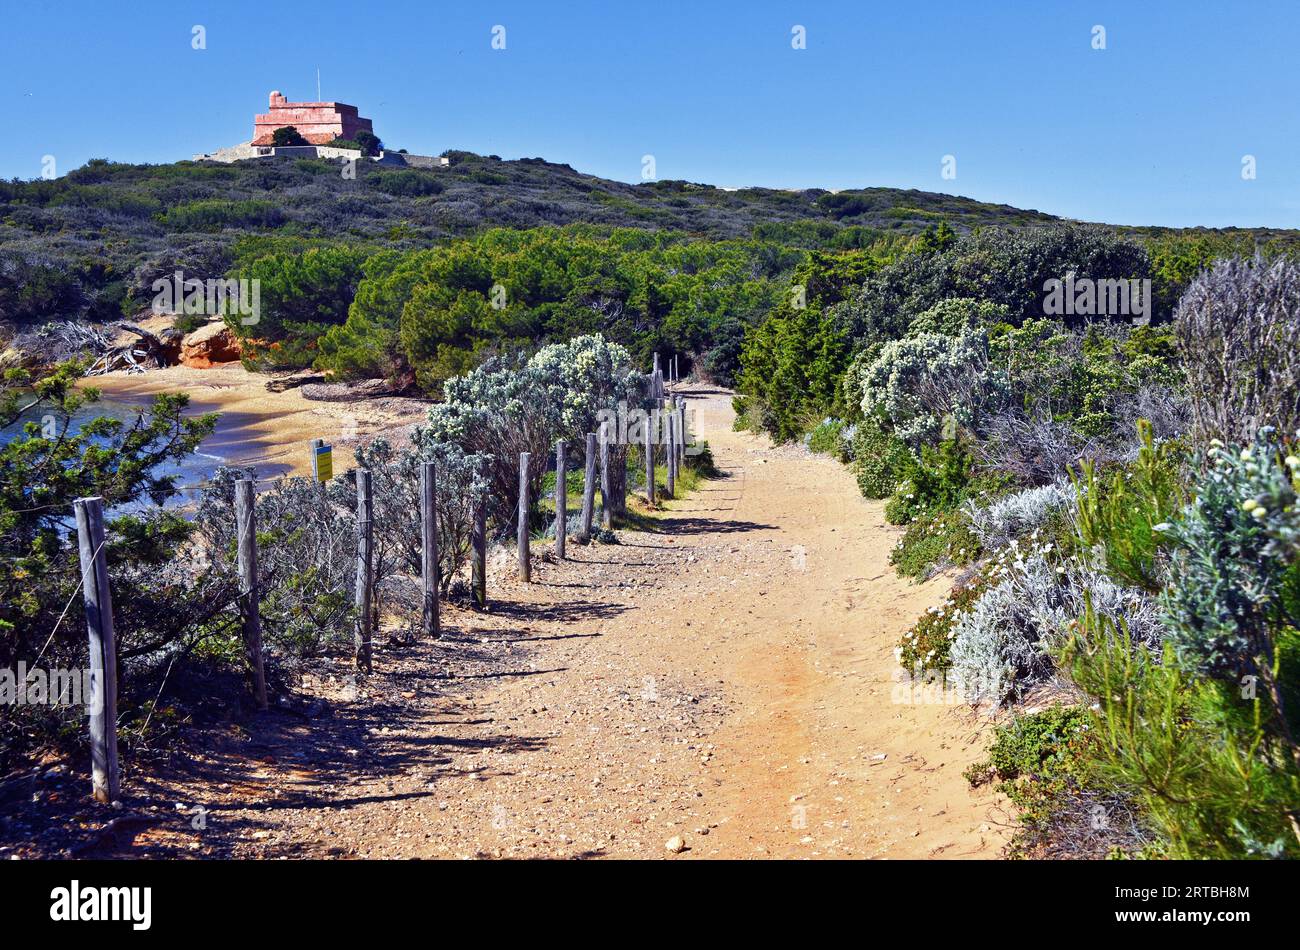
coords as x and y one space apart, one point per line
209 346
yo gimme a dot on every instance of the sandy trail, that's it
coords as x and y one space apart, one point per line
728 679
825 755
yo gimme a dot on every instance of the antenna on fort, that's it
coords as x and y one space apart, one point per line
318 98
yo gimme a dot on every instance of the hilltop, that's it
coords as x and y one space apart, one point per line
79 245
85 239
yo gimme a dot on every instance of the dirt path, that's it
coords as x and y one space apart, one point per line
729 679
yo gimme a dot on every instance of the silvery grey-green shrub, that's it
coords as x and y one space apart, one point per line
1234 544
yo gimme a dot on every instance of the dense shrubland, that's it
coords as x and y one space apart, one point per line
87 245
1118 506
666 265
441 312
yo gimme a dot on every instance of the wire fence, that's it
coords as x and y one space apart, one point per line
351 531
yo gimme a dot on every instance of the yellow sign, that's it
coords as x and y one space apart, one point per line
322 462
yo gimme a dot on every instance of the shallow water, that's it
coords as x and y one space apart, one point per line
231 444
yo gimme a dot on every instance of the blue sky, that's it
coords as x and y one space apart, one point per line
1150 130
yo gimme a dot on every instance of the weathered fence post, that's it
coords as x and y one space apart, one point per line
103 648
618 455
676 423
525 564
681 429
365 571
588 489
561 498
676 432
249 613
478 558
671 453
649 449
606 485
676 446
430 621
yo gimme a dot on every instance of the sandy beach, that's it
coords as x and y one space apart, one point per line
268 428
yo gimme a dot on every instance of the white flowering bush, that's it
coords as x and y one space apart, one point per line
497 412
920 380
584 376
1014 516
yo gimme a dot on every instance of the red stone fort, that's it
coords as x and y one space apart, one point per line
318 122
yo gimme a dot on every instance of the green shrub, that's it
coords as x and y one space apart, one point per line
1043 762
1034 743
880 459
215 214
406 182
1003 265
924 648
934 541
1119 517
793 363
1209 774
938 481
826 437
1234 544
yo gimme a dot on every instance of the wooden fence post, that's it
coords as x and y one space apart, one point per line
478 557
105 780
681 429
365 571
588 490
671 453
649 449
676 446
249 595
525 564
606 485
618 454
561 498
430 620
